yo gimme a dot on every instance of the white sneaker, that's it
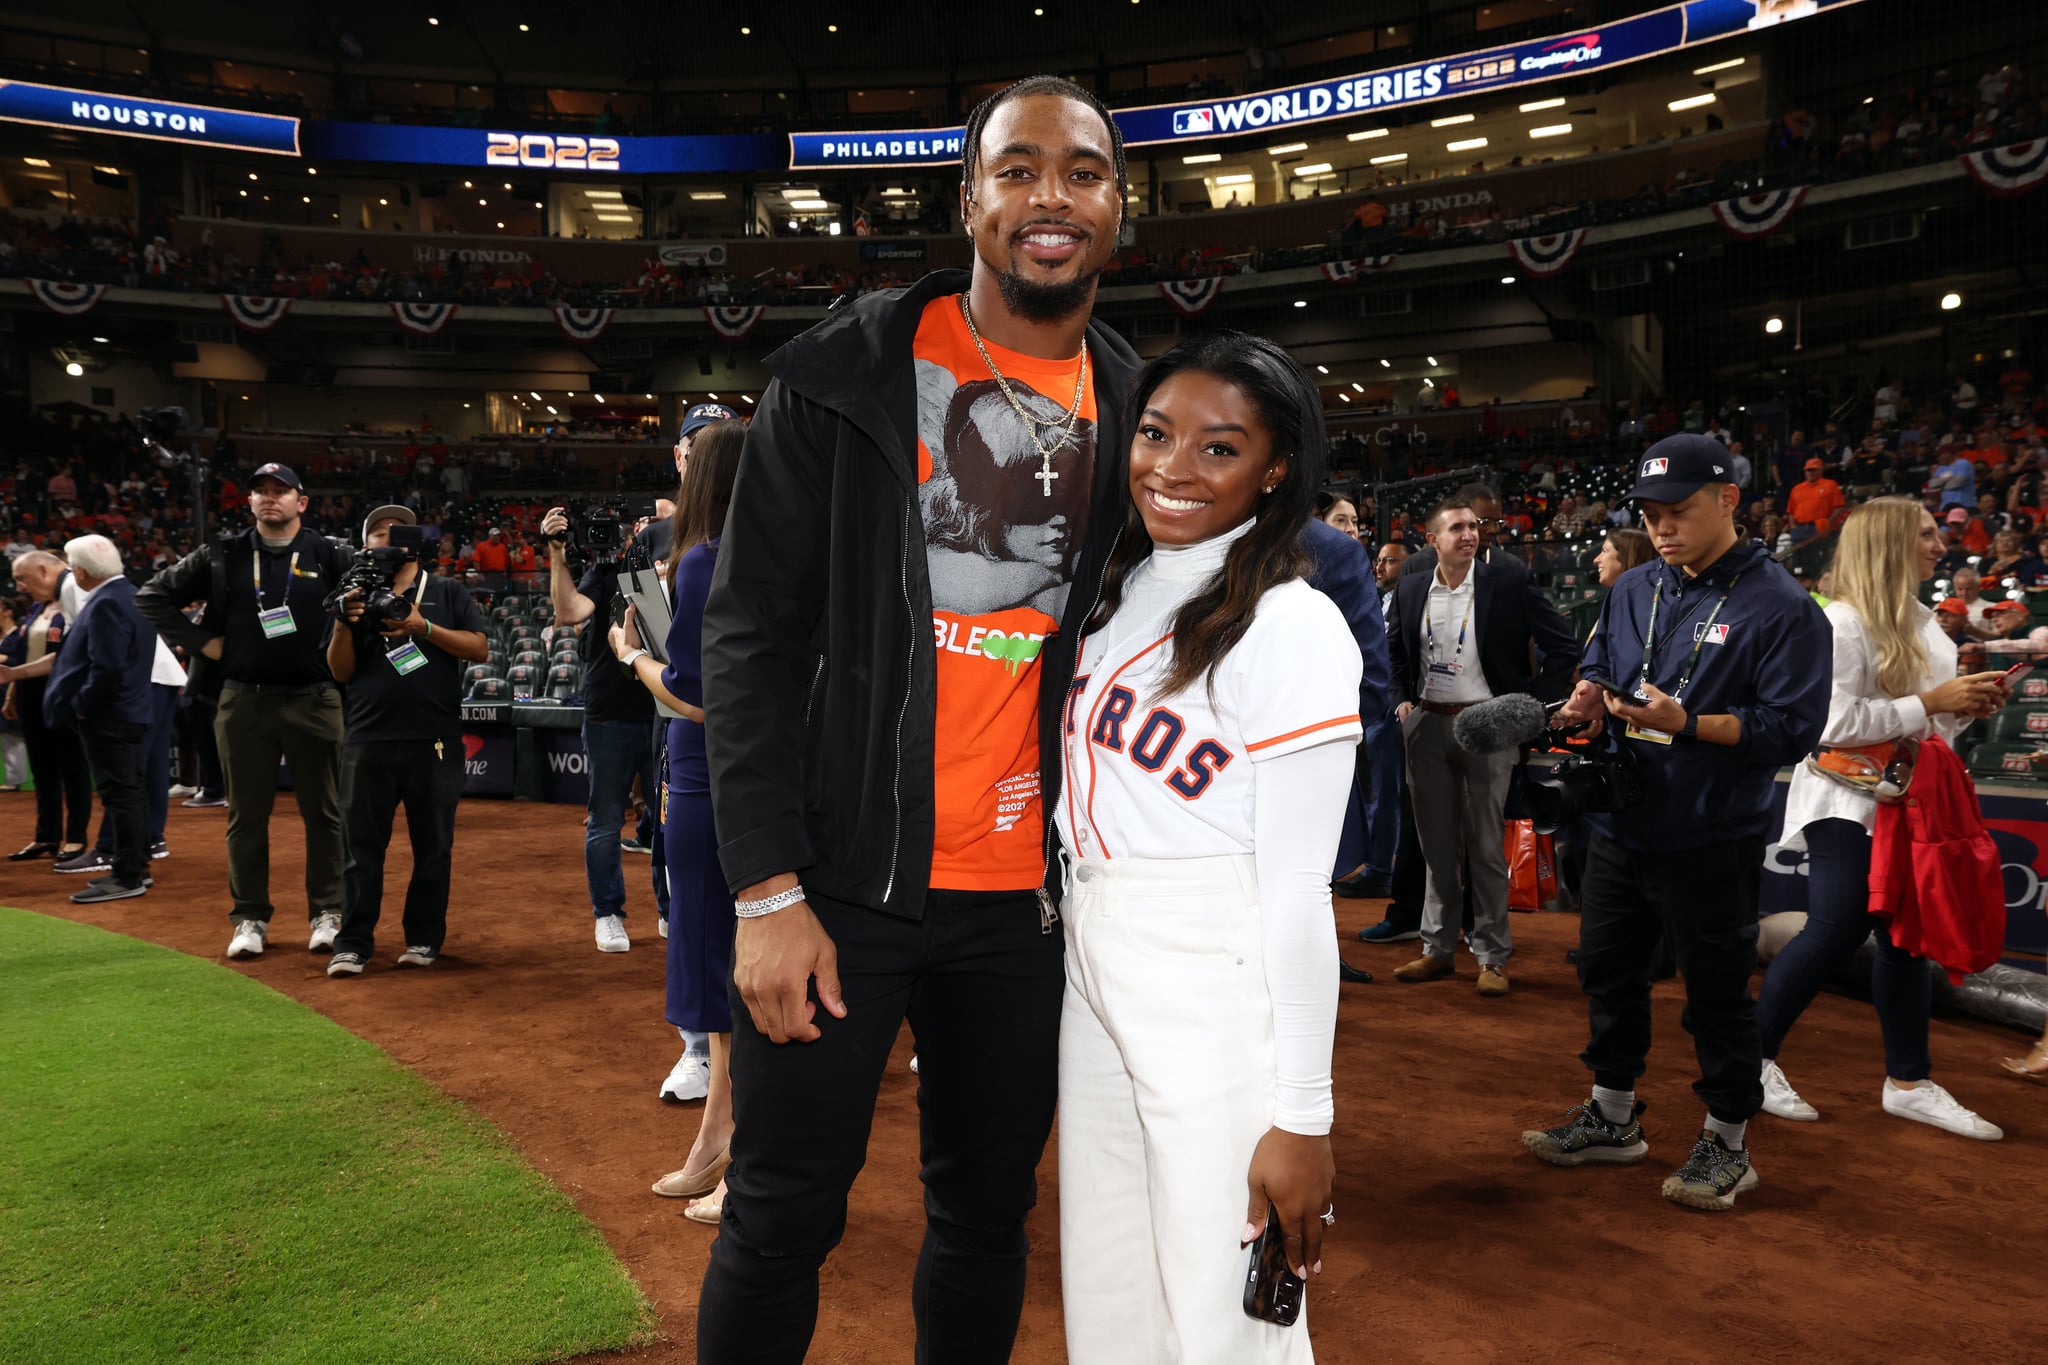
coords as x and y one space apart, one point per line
1781 1099
325 928
1929 1103
611 934
661 925
691 1079
180 791
249 938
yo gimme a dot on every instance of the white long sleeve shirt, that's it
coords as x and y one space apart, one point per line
1860 712
1261 765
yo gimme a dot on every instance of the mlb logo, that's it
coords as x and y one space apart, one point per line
1652 468
1186 121
1713 635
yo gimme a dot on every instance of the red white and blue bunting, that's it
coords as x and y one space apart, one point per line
1337 272
583 325
2010 170
66 296
1191 298
1754 216
735 323
253 314
423 319
1547 255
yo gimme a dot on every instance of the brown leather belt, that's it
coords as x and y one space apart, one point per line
1445 708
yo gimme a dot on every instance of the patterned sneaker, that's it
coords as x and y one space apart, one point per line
418 956
345 964
249 938
326 928
1711 1177
1587 1136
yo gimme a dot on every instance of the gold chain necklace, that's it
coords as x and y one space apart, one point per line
1063 429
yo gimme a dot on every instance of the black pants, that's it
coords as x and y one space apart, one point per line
1706 899
255 728
377 778
1411 874
981 986
114 748
56 759
200 765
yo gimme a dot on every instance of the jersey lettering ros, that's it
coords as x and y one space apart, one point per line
1150 776
1000 542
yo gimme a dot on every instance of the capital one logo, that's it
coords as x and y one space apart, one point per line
1568 52
472 766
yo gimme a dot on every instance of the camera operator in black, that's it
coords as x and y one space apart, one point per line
621 734
1723 666
263 589
404 681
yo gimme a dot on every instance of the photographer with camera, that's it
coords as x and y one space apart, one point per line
620 732
398 644
1710 670
264 589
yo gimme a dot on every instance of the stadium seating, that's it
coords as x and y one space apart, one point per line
523 679
564 681
2024 723
1997 762
531 658
490 689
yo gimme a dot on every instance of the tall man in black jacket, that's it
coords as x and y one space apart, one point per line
265 624
1461 634
891 628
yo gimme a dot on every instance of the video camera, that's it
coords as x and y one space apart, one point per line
604 531
1580 782
373 571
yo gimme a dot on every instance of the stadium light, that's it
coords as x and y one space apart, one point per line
1452 121
1537 106
1365 134
1201 158
1507 279
1287 148
1430 358
74 369
1357 387
1728 65
1470 144
1389 159
1234 179
1774 325
1690 102
1551 130
1322 369
1313 168
1301 303
1950 302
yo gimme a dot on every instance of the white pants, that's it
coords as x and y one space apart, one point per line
1166 1086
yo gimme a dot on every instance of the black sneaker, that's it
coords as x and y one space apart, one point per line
147 880
204 802
91 860
417 956
345 964
159 849
1712 1176
1587 1136
107 889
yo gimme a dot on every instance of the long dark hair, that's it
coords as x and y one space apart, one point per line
1209 625
706 489
1631 547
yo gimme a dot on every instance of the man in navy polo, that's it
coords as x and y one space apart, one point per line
1709 671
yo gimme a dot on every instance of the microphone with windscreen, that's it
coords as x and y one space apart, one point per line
1502 723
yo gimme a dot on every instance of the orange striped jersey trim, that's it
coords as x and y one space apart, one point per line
1304 730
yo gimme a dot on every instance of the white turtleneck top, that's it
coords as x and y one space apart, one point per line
1261 764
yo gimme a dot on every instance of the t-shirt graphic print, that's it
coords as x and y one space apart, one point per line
1001 539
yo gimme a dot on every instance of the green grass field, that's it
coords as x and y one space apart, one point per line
195 1168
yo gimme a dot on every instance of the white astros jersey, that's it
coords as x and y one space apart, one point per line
1172 777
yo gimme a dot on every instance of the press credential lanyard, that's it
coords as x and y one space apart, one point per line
1439 671
277 620
1650 639
408 656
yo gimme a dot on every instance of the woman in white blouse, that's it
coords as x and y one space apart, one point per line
1895 678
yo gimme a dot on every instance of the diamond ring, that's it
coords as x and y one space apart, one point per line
1329 1216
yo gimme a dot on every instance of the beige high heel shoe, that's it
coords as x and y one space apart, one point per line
2033 1066
708 1209
688 1184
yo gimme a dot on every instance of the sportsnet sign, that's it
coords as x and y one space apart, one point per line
1627 40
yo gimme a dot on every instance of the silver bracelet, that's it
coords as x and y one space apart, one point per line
768 905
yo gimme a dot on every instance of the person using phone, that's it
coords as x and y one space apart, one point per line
1208 742
1894 679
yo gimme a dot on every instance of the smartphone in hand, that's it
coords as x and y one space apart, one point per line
1272 1292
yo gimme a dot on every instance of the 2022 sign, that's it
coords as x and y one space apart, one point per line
563 152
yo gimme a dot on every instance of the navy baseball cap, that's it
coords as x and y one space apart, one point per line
703 415
1679 466
279 472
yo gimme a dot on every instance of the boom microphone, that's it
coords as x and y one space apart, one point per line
1508 722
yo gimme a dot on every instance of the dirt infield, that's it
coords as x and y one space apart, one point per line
1871 1239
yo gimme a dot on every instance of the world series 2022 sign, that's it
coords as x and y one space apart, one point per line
1500 68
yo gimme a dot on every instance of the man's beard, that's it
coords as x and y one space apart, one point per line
1045 302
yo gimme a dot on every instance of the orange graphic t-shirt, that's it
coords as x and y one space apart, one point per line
1002 531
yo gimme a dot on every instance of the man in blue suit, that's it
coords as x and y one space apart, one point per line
100 687
1344 575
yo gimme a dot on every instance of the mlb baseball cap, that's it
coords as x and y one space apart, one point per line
1678 466
2005 606
1813 464
703 415
389 509
1958 517
1954 606
283 475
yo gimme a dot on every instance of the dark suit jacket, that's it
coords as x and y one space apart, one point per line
1344 575
1509 614
102 673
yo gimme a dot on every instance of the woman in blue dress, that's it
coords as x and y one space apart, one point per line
700 914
